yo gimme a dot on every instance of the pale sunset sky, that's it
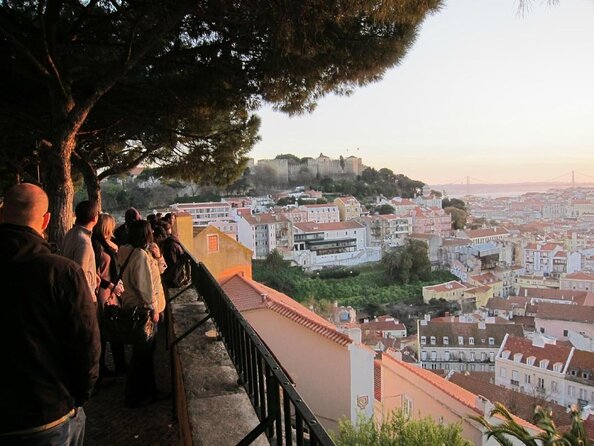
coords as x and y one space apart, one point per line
484 92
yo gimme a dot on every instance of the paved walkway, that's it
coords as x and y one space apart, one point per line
110 423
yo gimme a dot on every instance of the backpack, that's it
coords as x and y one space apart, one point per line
179 271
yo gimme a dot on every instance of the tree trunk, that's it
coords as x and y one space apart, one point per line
59 187
90 178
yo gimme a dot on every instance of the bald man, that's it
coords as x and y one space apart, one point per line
49 337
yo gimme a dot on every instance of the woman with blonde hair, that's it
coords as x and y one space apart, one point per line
107 269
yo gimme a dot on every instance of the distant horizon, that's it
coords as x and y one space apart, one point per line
462 182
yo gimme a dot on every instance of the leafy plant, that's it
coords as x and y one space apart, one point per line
550 435
399 430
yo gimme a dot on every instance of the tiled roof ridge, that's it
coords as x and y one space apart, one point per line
292 313
469 395
434 381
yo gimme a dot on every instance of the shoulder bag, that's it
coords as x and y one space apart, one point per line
126 325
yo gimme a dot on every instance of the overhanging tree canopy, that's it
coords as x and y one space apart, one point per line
76 70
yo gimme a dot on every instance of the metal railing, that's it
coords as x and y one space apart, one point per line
284 416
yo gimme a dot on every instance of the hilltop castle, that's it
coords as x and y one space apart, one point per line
289 169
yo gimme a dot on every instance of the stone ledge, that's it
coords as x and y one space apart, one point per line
219 411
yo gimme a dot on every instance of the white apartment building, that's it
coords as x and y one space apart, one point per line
549 259
461 345
321 213
204 214
263 233
480 236
386 230
545 369
317 245
558 321
577 281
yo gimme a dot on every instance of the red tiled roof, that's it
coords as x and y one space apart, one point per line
487 232
267 218
447 286
485 278
458 393
570 313
579 276
523 405
554 353
249 295
553 294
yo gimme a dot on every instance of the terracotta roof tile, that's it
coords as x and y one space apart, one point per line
570 313
246 292
547 293
554 353
518 403
481 336
487 232
447 286
580 275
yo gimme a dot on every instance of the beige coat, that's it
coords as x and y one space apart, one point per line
138 280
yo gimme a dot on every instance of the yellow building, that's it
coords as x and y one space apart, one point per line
221 254
450 291
348 208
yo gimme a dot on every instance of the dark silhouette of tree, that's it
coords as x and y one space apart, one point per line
409 263
385 209
454 203
458 215
72 70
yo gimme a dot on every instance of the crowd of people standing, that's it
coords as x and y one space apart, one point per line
56 306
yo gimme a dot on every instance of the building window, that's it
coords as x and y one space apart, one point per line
491 341
407 406
492 357
565 333
583 394
527 378
503 372
433 356
460 340
212 243
423 356
471 341
542 329
432 340
554 387
544 363
472 356
423 340
540 384
446 341
571 391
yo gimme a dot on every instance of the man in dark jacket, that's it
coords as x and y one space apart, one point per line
121 232
48 336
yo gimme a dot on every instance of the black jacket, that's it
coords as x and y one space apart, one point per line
49 339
